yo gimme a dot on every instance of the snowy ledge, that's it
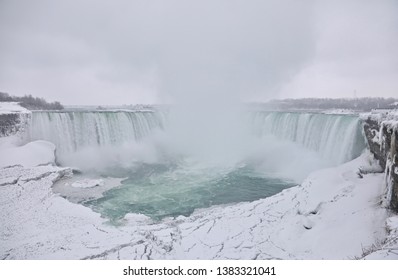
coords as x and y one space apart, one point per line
12 108
334 214
380 116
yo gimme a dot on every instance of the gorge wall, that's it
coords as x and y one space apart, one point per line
13 118
8 124
381 131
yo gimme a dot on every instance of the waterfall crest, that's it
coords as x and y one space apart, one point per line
337 138
71 131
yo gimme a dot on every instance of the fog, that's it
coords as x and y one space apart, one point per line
268 156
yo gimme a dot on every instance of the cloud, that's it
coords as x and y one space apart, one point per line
355 52
114 52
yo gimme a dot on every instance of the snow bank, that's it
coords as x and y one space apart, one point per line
12 108
388 248
381 115
32 154
37 224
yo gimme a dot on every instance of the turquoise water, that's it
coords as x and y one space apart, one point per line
160 191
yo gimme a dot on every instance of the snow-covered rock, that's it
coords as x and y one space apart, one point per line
32 154
13 118
381 130
381 115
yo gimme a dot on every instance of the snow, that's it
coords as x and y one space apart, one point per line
78 189
12 108
88 183
389 248
13 121
333 214
29 155
381 115
392 225
340 112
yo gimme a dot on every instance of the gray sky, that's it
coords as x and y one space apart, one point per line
142 51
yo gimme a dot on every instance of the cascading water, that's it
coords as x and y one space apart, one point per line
171 185
72 131
337 138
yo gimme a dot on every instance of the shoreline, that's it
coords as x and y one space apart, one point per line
333 214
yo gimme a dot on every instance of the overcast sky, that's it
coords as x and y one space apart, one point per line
130 51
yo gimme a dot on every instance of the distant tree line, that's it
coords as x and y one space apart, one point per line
358 104
30 102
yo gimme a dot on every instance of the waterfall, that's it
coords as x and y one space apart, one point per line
71 131
337 138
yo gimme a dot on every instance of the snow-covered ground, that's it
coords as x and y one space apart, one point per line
333 214
11 108
29 155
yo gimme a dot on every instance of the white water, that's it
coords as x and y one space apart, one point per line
97 140
73 131
90 139
336 138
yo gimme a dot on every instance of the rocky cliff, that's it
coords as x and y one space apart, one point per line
381 131
13 118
